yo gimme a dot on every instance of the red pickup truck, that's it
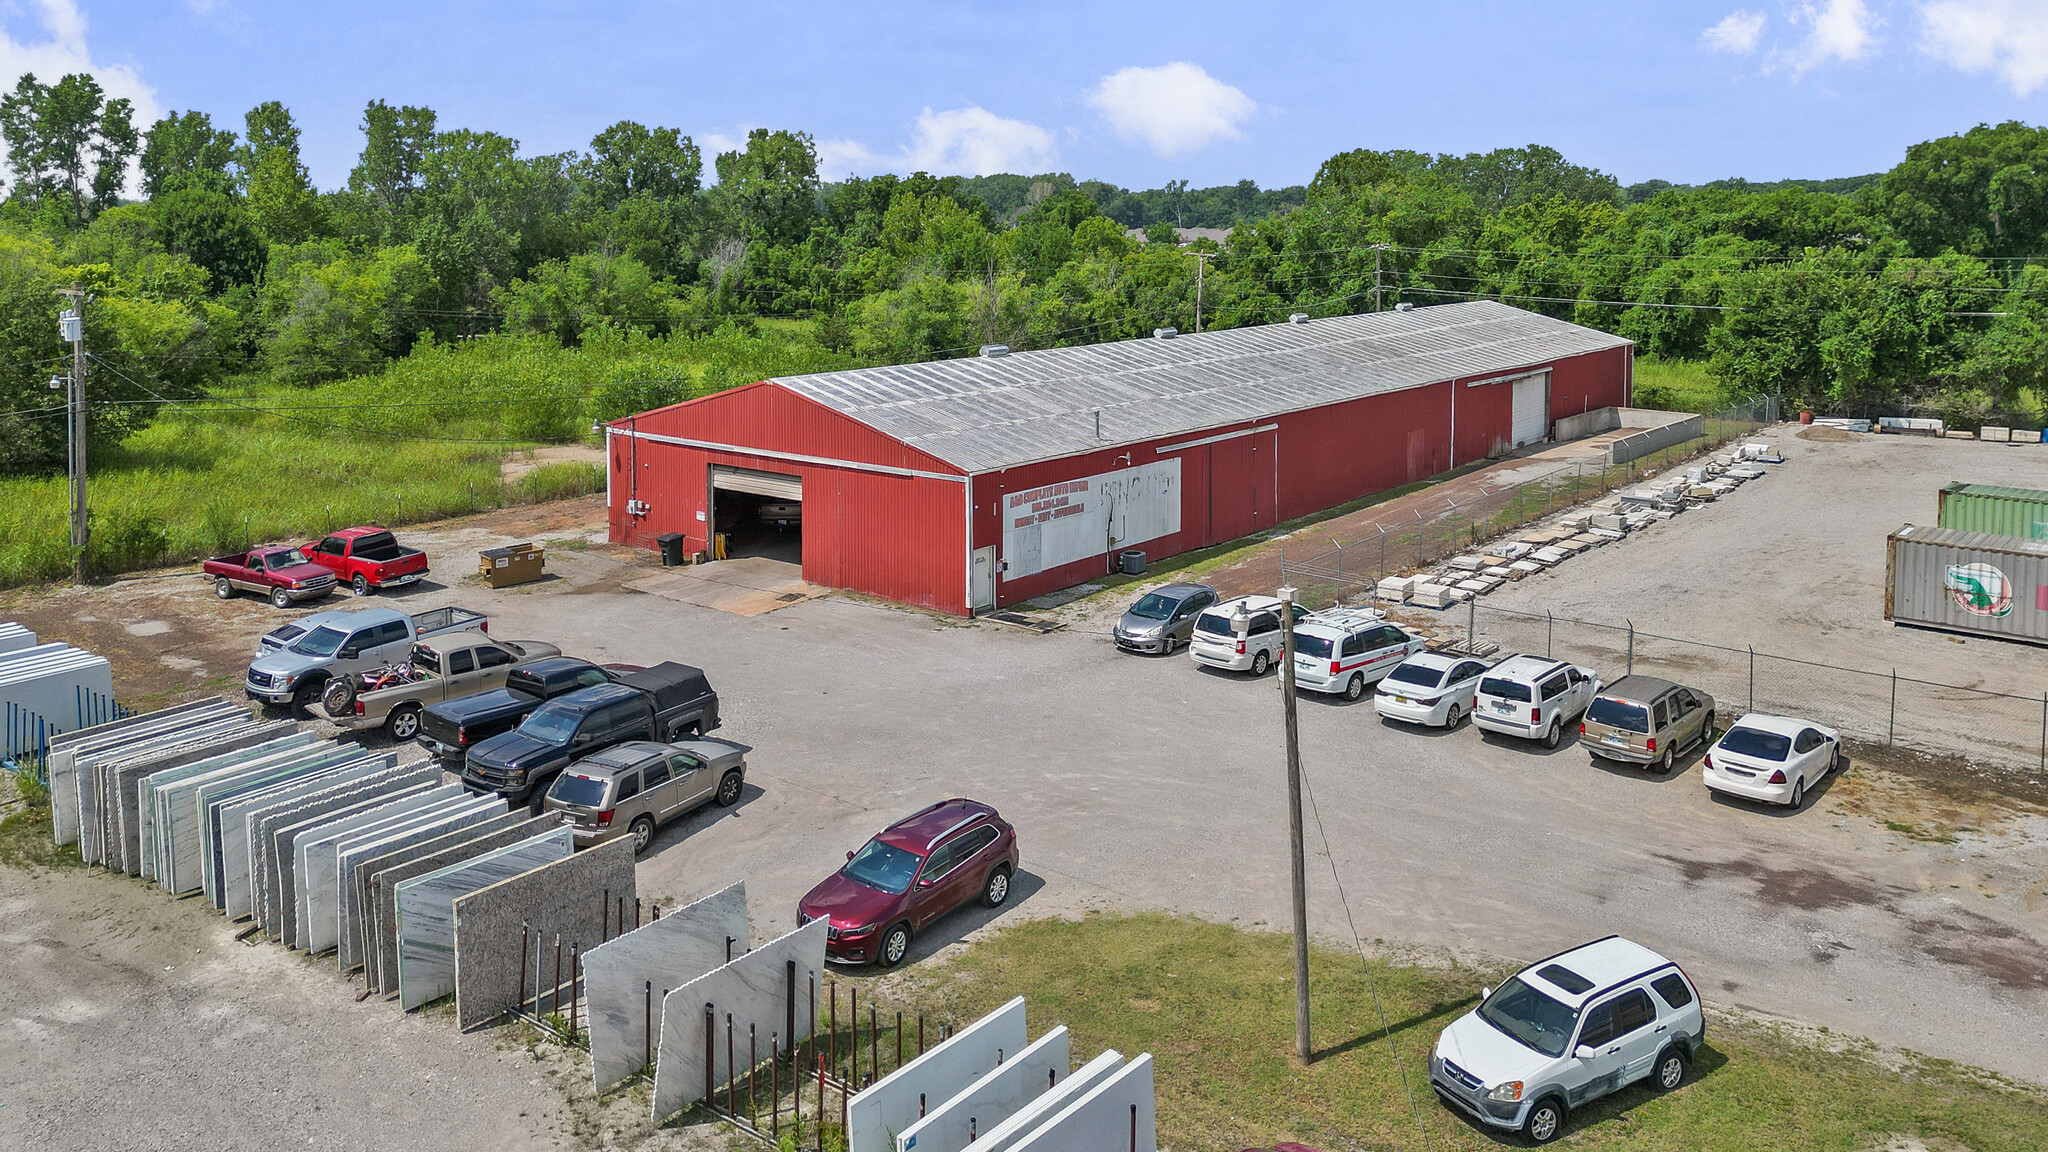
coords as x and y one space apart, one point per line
282 573
368 558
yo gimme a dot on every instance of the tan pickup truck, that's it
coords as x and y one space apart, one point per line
440 668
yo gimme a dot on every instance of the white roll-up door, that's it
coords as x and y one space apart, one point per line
772 484
1532 408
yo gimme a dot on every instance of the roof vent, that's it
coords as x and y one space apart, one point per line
1165 333
1297 318
1404 306
994 350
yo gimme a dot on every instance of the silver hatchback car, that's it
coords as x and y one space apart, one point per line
1163 619
634 788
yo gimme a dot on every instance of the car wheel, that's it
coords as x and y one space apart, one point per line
996 888
1545 1122
729 787
1261 662
1707 730
894 947
304 698
1354 687
279 598
1798 796
360 585
1835 759
643 833
1664 765
403 724
1670 1069
1452 718
223 589
1553 735
339 697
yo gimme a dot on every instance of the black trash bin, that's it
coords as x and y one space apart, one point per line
1132 562
672 554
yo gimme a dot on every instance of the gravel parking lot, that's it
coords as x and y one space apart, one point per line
1149 783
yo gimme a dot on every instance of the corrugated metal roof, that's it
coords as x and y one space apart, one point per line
986 413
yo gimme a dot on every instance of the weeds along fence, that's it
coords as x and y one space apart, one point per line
1352 567
1984 728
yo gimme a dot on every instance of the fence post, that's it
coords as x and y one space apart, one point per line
1549 630
1631 647
1752 678
1471 621
2044 731
1892 730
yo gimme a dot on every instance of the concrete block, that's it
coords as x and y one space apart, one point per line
2026 436
1021 1078
385 873
1514 550
1396 588
1995 434
1466 563
893 1103
349 906
1430 595
1052 1102
569 901
1524 568
426 911
1500 572
1102 1118
1589 540
1549 556
749 991
318 898
1612 521
661 954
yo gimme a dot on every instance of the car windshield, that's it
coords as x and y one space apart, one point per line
1529 1016
1155 607
1505 689
321 641
554 723
1750 742
289 558
1619 714
582 791
883 867
1216 624
1309 645
1418 675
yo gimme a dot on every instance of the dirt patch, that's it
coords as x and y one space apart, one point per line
1945 793
1807 889
518 464
1825 435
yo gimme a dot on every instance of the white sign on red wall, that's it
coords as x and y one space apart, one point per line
1057 524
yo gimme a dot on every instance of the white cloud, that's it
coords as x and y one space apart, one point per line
1171 109
2008 38
1738 32
1837 30
62 51
959 142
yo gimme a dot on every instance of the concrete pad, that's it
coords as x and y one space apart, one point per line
895 1102
621 975
748 586
752 990
567 902
426 911
384 878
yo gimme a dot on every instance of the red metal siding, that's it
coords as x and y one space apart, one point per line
1583 383
767 415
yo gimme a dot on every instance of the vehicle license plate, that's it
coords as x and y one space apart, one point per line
1404 700
1503 707
1613 739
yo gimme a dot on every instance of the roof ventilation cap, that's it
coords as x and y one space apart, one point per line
1165 333
1404 306
1297 318
994 350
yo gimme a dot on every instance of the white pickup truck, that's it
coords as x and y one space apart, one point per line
293 663
437 669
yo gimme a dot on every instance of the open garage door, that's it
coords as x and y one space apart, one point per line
1532 408
760 514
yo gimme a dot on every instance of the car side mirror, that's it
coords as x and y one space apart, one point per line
1585 1052
350 653
1485 994
925 883
849 857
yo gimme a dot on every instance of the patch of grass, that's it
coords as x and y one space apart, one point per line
1214 1006
1915 832
25 839
1677 386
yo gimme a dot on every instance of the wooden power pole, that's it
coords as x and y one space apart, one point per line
71 325
1295 835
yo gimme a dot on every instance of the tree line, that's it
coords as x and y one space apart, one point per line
1917 289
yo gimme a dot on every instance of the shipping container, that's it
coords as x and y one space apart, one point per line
2020 512
1971 582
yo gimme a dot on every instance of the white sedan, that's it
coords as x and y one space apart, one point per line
1430 688
1771 758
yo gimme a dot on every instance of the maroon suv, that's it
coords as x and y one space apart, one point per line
917 870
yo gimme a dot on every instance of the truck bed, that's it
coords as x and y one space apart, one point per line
672 685
449 619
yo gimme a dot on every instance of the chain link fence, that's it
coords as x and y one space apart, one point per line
1877 708
1361 554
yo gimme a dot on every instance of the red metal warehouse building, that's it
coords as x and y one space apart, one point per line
961 485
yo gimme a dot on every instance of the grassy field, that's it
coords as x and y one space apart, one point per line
1678 385
1214 1006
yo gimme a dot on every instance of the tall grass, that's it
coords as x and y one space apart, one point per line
1679 386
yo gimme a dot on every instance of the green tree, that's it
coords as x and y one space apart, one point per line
567 298
328 313
280 194
68 144
396 142
1984 193
769 189
186 151
213 230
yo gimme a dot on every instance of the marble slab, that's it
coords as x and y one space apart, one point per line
378 877
215 796
180 847
69 749
888 1106
149 815
1105 1116
619 975
237 883
122 780
340 800
1026 1120
751 991
318 896
426 911
567 902
1013 1084
349 854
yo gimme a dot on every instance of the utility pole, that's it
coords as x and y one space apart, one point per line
1201 262
71 325
1377 249
1299 861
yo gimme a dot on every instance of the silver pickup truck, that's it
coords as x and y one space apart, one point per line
440 668
294 663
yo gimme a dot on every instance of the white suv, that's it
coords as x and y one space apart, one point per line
1241 635
1343 650
1566 1031
1533 697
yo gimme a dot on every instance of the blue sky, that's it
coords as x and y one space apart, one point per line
1133 93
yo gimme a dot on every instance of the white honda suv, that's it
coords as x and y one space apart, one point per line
1533 697
1566 1031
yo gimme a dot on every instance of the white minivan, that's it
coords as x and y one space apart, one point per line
1241 635
1533 697
1566 1031
1346 650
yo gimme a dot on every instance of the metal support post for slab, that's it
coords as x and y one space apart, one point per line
775 1088
821 1103
753 1087
920 1033
732 1075
710 1052
1892 729
1549 631
789 1000
728 949
555 992
636 912
811 1028
522 966
1134 1128
1472 624
2044 731
874 1045
574 959
853 1049
832 1032
604 931
647 1043
899 1015
1752 678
